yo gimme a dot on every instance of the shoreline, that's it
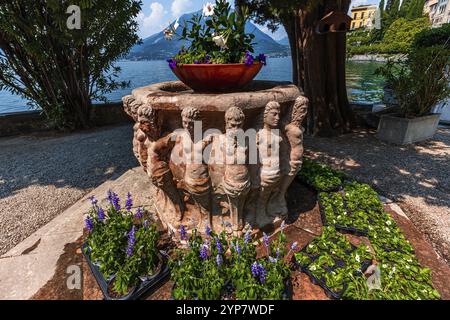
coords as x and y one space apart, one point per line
375 58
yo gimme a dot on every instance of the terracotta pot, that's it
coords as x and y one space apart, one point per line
216 77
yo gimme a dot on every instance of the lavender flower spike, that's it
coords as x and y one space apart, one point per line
183 233
89 224
129 202
294 246
131 241
208 231
139 213
101 214
218 245
219 260
266 240
94 201
204 251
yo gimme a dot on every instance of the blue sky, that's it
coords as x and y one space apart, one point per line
157 14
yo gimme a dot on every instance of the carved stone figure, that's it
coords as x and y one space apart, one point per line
146 133
159 171
268 141
196 181
294 134
236 180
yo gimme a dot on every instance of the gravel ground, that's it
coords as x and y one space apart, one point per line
40 176
416 176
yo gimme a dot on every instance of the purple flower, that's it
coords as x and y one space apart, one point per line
183 233
294 246
262 59
255 269
131 241
262 274
101 214
114 200
93 201
219 260
238 249
266 240
196 62
278 253
248 58
204 251
89 224
208 58
139 213
129 202
258 271
247 237
172 63
146 223
273 260
283 226
208 231
218 245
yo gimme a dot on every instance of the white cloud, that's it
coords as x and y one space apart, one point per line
180 7
155 22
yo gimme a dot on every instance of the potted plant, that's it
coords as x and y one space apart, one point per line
218 267
418 83
219 57
121 249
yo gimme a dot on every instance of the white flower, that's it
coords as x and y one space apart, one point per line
387 229
220 41
311 246
345 213
168 34
357 258
176 25
407 267
208 9
312 268
409 260
388 222
384 266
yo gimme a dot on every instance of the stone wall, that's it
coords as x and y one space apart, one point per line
27 122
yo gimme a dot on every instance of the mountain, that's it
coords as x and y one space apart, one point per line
284 41
156 47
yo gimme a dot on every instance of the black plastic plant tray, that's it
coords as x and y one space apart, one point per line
338 264
143 289
341 228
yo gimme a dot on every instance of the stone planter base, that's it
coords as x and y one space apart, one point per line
399 130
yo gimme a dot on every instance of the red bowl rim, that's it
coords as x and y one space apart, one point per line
217 64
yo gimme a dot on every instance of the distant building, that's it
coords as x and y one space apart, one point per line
363 16
438 11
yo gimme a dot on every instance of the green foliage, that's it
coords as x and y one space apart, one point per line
108 247
433 37
61 70
400 34
320 177
223 23
322 254
213 273
420 82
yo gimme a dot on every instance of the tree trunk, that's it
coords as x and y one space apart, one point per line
318 62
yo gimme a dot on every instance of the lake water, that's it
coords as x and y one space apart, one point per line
363 86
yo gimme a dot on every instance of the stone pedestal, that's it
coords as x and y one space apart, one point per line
218 160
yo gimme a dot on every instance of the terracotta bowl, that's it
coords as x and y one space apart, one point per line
216 77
